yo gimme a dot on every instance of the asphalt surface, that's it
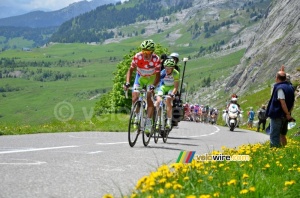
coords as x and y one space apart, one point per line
91 164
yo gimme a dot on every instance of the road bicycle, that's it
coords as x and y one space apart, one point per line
160 121
138 117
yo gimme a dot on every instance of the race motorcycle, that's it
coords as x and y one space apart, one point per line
232 116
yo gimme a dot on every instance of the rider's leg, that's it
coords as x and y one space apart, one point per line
150 109
169 112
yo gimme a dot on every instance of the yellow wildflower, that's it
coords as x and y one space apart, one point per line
168 185
108 196
217 194
162 180
244 191
172 196
186 178
177 187
221 165
210 178
245 176
205 196
133 195
252 189
267 165
233 181
191 196
161 191
288 183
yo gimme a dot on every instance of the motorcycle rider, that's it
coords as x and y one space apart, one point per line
234 101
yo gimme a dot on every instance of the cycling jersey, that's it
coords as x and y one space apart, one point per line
167 82
196 108
146 67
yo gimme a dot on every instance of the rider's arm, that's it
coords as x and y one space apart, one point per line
157 79
176 85
176 81
129 74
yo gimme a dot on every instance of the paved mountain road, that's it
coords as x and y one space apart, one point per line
91 164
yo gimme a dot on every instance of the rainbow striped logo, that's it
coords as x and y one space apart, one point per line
185 157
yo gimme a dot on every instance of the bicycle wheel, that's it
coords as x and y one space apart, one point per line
134 124
147 136
157 124
165 132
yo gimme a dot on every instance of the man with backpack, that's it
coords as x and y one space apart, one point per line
262 118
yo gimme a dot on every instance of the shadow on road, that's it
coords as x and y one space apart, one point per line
181 138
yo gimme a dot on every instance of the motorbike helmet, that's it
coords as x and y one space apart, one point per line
233 99
169 63
148 45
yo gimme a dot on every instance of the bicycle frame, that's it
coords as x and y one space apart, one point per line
164 110
142 98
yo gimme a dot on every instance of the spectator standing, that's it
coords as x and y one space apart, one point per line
251 115
262 118
279 109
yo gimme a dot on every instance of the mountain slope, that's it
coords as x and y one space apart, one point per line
55 18
93 26
276 43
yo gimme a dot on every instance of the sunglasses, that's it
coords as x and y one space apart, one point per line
147 52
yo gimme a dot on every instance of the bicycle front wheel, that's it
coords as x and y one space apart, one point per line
157 124
147 136
134 124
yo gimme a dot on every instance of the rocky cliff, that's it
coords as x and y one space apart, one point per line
276 43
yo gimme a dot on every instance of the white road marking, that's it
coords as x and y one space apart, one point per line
36 149
95 152
23 163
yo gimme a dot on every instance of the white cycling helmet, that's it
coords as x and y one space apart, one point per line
174 54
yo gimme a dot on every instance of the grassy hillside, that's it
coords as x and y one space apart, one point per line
32 98
35 101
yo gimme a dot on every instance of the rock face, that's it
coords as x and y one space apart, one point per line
276 43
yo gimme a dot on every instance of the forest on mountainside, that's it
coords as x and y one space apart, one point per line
93 26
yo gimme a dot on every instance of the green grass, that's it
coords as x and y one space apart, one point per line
104 123
270 172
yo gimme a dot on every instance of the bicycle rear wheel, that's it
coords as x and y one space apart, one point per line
134 124
165 132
